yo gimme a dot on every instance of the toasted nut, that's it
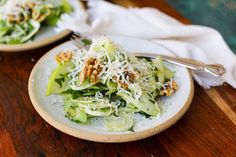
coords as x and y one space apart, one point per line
63 56
132 76
82 76
95 72
123 85
174 85
169 89
167 92
13 18
91 70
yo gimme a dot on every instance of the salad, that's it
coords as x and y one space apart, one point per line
102 80
20 20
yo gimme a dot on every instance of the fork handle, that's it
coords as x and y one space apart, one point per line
214 69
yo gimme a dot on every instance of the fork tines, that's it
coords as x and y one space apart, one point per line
76 39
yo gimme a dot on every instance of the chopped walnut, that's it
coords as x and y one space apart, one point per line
91 70
169 89
14 18
131 76
174 85
122 84
63 56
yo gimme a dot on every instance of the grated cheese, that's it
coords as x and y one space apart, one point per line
114 69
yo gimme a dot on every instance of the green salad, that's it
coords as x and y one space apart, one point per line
102 80
21 20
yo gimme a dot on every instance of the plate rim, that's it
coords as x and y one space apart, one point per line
34 44
91 136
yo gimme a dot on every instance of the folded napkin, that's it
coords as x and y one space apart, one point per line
189 41
75 21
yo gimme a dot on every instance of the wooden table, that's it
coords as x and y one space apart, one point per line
207 129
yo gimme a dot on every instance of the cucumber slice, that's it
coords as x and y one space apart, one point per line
99 112
123 122
73 111
58 82
80 116
144 105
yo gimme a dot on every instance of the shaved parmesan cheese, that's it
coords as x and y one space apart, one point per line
115 64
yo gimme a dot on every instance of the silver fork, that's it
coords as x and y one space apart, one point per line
213 69
75 38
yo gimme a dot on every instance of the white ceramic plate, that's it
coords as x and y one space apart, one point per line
51 110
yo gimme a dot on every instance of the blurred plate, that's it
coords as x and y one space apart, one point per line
44 37
51 108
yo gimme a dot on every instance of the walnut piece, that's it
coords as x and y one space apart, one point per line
63 56
130 76
120 83
13 18
91 70
169 89
123 84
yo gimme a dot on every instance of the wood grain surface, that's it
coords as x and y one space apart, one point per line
207 129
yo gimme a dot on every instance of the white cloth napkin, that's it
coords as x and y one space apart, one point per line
190 41
75 21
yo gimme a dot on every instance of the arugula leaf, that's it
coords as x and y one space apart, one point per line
131 129
86 42
73 93
145 114
60 80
